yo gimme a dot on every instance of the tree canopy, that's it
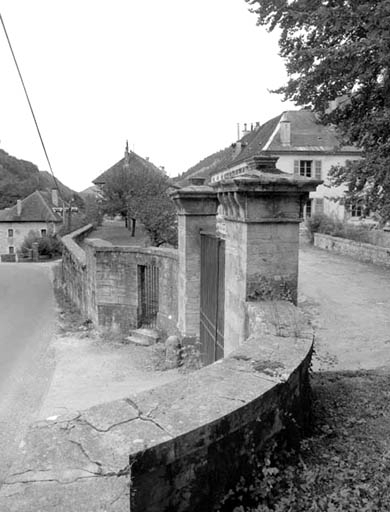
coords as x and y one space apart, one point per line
142 194
337 58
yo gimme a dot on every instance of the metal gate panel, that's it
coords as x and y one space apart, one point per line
212 279
148 293
219 348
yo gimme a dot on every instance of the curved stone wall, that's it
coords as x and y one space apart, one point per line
113 284
181 446
101 280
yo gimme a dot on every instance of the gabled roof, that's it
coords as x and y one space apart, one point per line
307 135
135 162
37 207
207 166
216 162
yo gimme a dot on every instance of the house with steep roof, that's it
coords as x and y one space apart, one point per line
39 212
131 161
303 146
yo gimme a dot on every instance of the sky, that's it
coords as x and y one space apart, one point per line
172 77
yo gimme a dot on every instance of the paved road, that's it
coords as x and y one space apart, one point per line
351 305
27 318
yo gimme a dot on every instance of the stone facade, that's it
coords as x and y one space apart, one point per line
19 232
363 252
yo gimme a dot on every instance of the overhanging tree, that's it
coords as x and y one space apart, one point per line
142 194
337 54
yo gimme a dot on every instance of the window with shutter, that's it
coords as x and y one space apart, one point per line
305 168
318 170
296 167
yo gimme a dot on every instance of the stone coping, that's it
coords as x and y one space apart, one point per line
360 250
348 241
82 461
100 245
265 181
73 247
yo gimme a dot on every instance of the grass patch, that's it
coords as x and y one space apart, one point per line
114 231
345 464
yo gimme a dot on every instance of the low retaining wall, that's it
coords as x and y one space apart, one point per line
182 446
74 268
379 237
363 252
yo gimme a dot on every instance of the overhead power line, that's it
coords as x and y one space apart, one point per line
29 104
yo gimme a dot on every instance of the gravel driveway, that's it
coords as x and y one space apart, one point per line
350 305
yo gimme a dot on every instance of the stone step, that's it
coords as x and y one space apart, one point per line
143 336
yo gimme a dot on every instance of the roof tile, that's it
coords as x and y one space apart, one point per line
36 207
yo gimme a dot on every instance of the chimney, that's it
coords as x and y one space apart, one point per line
245 131
285 131
126 164
19 207
54 196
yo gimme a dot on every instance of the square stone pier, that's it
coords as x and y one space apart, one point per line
262 210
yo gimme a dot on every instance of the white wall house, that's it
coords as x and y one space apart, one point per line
34 213
302 145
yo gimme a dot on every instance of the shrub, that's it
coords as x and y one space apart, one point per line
330 226
47 245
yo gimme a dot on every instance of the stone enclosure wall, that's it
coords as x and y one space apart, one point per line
73 275
363 252
112 275
102 281
186 446
183 446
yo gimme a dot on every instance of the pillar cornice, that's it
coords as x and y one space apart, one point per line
195 200
259 196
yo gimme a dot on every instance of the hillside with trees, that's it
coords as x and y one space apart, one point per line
19 178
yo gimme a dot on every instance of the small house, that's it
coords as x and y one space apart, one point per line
40 211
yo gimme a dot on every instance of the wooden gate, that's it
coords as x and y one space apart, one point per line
148 289
212 298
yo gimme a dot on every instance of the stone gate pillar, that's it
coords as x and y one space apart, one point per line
262 211
197 209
